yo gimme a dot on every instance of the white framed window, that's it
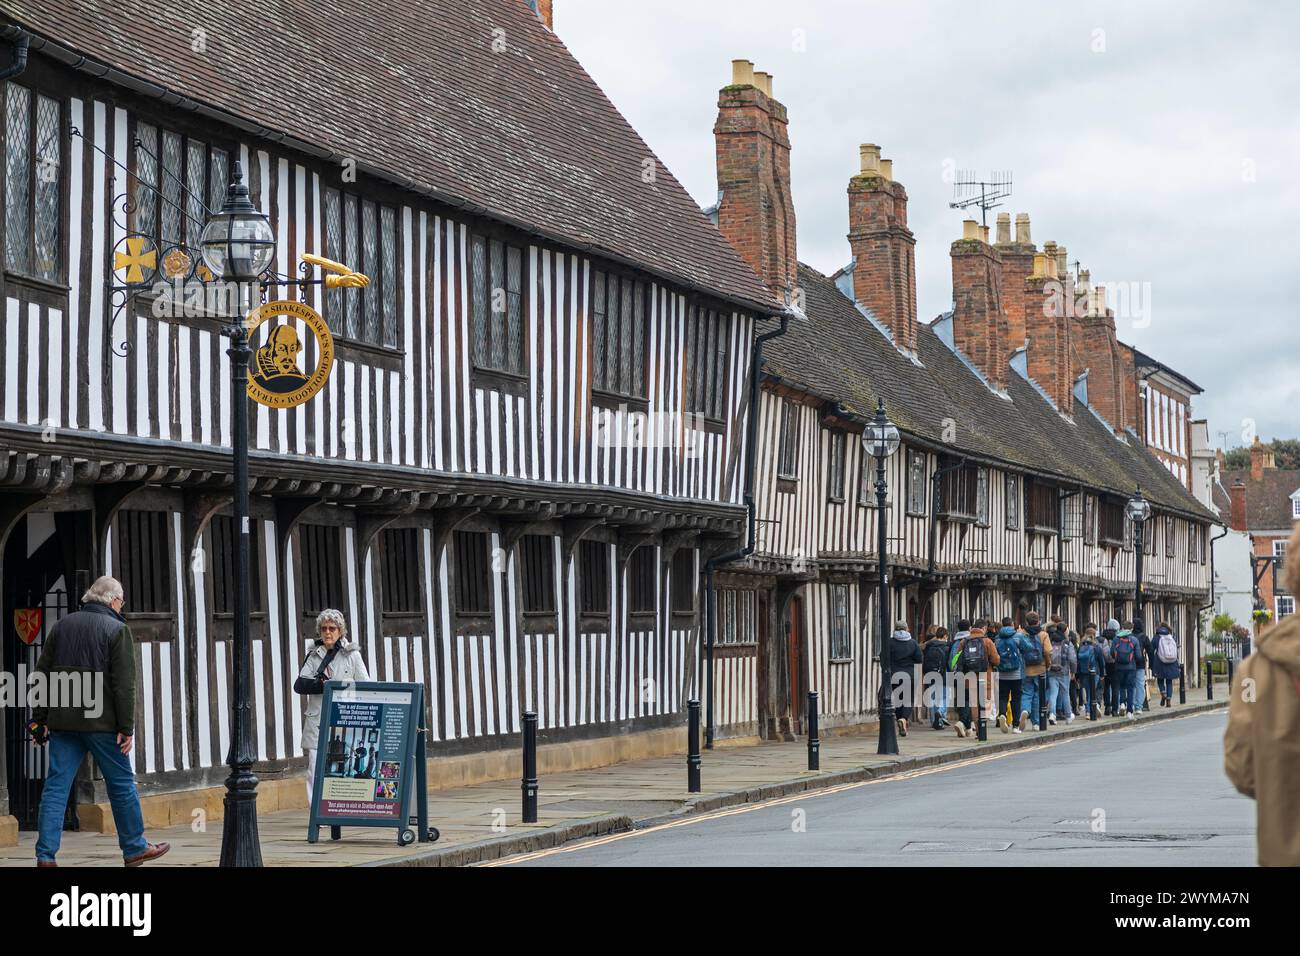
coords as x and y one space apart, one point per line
1295 505
841 647
788 451
916 482
1285 605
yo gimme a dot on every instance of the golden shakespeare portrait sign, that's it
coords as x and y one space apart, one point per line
276 377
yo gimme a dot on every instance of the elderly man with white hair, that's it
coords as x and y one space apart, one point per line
334 657
91 648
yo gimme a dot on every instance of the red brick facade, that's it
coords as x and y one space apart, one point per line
884 274
756 213
979 321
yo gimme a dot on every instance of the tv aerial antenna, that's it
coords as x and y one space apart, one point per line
969 190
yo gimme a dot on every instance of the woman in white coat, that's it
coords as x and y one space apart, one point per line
333 658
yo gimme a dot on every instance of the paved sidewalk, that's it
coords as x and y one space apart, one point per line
587 802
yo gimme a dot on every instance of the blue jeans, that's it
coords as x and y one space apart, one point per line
1058 691
1127 681
1166 685
1139 689
939 708
66 752
1088 691
1029 699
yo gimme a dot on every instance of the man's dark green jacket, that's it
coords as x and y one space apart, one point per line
94 640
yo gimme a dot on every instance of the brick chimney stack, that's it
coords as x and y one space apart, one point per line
756 211
1237 517
1261 459
545 11
978 320
884 273
1048 330
1017 258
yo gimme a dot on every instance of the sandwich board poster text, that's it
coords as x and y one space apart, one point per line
365 756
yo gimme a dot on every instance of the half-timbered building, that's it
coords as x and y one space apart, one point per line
1008 491
534 434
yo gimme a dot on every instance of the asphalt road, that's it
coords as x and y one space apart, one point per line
1149 796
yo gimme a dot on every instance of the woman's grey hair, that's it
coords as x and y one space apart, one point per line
329 614
105 590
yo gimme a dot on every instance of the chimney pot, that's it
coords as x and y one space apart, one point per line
763 81
887 169
869 154
984 234
970 229
1004 227
1040 265
742 73
1022 228
1062 262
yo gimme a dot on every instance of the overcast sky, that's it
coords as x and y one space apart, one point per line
1157 141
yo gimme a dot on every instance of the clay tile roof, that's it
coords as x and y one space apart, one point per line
1268 501
416 93
840 357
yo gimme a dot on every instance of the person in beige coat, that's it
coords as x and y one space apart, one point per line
1261 748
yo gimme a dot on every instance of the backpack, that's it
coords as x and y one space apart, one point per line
1087 659
1058 657
1008 653
936 656
974 656
1033 649
1167 648
1125 650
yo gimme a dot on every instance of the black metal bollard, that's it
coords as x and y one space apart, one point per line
1182 683
530 768
983 720
1094 684
693 746
1209 680
814 742
1229 676
1042 701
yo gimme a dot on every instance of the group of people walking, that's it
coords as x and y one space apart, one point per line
1004 668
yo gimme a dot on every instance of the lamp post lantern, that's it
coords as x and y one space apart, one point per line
237 247
880 440
1138 510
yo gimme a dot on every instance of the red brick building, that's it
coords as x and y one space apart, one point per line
1265 501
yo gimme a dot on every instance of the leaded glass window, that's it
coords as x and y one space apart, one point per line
706 362
170 183
219 180
618 314
33 161
144 218
370 266
334 307
496 298
351 223
46 206
195 213
18 178
388 245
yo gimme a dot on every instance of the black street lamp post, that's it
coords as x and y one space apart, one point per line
238 245
1138 510
880 440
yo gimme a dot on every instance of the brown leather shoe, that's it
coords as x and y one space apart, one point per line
152 852
40 863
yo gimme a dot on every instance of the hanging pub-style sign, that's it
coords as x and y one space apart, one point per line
276 378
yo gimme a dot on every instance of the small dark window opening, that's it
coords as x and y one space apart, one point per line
641 581
223 541
684 581
537 559
473 573
322 570
400 568
593 577
144 561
